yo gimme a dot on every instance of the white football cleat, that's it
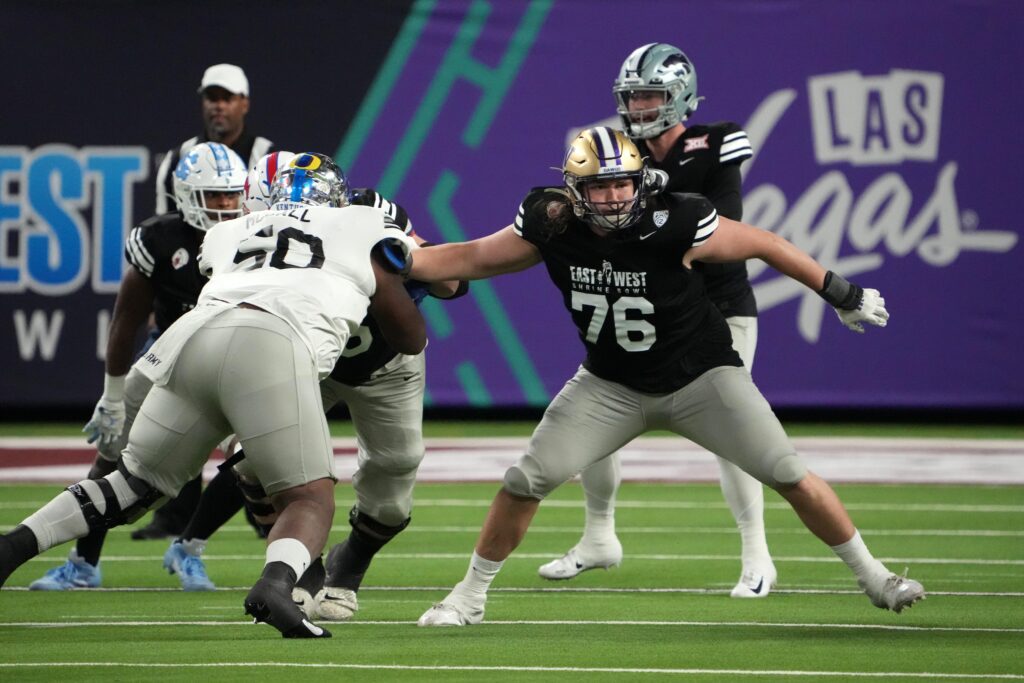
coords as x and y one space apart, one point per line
305 602
336 604
896 592
755 582
454 610
581 558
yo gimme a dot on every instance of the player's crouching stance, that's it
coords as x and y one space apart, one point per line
660 358
286 287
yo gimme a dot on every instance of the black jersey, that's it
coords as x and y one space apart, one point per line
165 250
366 351
706 160
643 317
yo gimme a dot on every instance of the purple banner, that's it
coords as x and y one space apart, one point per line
881 150
884 138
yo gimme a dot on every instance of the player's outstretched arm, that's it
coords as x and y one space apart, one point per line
399 319
501 252
131 311
735 241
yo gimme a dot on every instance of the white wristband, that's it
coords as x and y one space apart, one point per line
113 387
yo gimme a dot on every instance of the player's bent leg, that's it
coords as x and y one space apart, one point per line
821 511
305 518
347 563
503 530
82 568
599 547
116 499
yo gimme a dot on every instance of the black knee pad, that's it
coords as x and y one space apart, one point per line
257 502
372 531
113 515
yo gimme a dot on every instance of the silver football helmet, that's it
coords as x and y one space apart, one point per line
601 154
656 67
206 170
310 179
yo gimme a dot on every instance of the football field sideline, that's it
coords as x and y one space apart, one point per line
653 459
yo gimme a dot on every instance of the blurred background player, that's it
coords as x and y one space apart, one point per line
655 92
662 360
163 280
224 102
285 289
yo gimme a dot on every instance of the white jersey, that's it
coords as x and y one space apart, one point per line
309 266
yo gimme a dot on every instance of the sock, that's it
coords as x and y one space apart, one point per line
351 560
479 576
174 516
221 500
860 560
291 552
600 486
90 547
745 497
312 580
22 543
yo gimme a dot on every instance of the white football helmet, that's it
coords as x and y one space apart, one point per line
261 177
209 168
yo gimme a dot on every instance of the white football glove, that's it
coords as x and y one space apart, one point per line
871 311
108 416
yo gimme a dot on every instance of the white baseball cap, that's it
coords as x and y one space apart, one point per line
227 76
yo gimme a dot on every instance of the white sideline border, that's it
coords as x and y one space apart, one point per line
668 459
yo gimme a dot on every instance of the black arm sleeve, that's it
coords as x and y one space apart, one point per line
723 189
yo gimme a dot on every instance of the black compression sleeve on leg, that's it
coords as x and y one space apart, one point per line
218 503
90 547
348 561
174 515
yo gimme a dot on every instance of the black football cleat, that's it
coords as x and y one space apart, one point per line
270 602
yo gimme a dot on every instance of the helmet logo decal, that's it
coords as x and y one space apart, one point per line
608 151
306 162
220 158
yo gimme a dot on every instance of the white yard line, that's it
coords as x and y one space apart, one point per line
928 675
115 623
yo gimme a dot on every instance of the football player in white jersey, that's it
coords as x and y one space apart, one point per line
658 352
287 287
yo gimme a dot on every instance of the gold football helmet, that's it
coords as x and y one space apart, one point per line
601 154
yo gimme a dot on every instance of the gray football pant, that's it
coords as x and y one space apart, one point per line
245 372
601 480
387 412
591 418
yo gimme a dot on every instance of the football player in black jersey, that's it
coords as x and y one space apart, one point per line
383 390
659 354
655 93
164 281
